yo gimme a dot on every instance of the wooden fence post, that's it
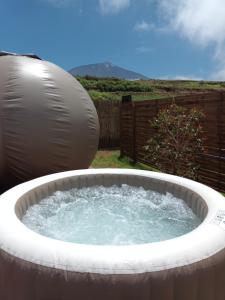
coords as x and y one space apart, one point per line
134 158
121 126
220 136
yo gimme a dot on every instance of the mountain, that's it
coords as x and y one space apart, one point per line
106 69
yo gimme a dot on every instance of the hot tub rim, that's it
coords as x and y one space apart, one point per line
112 259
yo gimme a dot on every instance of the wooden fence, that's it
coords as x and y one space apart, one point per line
109 119
136 130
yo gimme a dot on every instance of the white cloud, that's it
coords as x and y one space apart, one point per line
144 26
113 6
181 77
147 27
200 21
219 73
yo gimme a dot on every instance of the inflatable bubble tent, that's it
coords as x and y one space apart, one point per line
48 122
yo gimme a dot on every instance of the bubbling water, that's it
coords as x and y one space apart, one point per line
116 215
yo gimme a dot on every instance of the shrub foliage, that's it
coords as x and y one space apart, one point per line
113 85
177 141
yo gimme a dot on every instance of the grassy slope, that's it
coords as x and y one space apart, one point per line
114 89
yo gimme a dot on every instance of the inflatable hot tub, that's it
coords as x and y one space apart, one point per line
190 267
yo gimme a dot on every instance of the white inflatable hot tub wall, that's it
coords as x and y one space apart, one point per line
190 267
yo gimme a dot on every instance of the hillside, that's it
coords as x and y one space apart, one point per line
114 89
106 70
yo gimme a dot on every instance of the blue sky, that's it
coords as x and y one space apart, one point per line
159 38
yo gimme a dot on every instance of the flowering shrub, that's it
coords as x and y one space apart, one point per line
177 141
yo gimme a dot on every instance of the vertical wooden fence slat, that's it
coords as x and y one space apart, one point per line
109 119
134 158
219 110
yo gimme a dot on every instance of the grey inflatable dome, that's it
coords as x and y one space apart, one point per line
48 122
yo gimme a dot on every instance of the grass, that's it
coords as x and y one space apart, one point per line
184 84
104 96
151 96
113 88
107 96
111 159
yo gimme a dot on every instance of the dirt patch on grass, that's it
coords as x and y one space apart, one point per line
105 154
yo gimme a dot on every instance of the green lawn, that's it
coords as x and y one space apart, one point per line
111 159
